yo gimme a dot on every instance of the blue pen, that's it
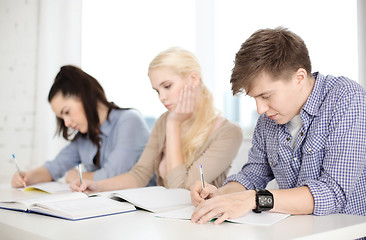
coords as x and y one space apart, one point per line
18 169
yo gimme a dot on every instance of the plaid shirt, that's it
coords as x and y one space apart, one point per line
330 153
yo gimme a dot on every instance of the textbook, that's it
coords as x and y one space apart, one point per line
262 219
70 206
77 205
154 199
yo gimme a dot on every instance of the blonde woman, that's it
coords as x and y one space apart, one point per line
189 134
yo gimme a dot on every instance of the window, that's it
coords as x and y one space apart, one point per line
329 29
120 38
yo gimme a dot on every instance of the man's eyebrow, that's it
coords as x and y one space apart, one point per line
263 93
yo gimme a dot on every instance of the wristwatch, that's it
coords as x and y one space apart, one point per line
264 200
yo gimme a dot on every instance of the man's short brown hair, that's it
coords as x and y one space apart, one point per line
278 52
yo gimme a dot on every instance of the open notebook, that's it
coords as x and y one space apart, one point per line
154 199
71 206
263 219
77 206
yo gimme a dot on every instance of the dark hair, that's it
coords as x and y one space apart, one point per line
72 81
278 52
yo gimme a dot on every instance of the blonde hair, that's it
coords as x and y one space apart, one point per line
201 123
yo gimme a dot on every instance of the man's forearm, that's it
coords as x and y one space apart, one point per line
294 200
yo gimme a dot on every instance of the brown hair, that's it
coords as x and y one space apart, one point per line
72 81
278 52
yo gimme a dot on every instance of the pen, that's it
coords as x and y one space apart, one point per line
18 169
80 176
202 179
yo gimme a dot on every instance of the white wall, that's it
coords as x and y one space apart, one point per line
361 24
37 37
18 51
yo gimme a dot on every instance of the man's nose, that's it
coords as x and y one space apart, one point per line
262 106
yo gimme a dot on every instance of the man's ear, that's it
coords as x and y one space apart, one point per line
301 74
195 79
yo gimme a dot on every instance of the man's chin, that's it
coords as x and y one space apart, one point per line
281 122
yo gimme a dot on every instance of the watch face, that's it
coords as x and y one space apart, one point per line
265 201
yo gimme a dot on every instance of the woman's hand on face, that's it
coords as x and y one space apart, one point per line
185 106
88 186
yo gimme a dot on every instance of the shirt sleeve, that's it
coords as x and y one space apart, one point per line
65 160
344 158
129 139
215 160
256 173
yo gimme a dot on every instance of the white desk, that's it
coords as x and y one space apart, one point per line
143 225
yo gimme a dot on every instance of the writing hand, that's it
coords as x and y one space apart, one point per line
199 195
19 181
88 186
225 206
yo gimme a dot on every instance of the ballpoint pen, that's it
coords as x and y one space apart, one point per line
18 169
80 176
202 179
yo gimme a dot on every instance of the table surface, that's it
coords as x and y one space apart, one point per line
143 225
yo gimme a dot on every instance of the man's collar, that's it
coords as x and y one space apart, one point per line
313 102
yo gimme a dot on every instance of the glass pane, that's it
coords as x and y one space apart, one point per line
328 27
120 38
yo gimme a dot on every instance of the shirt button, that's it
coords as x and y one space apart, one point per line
270 163
310 149
288 139
295 158
301 134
